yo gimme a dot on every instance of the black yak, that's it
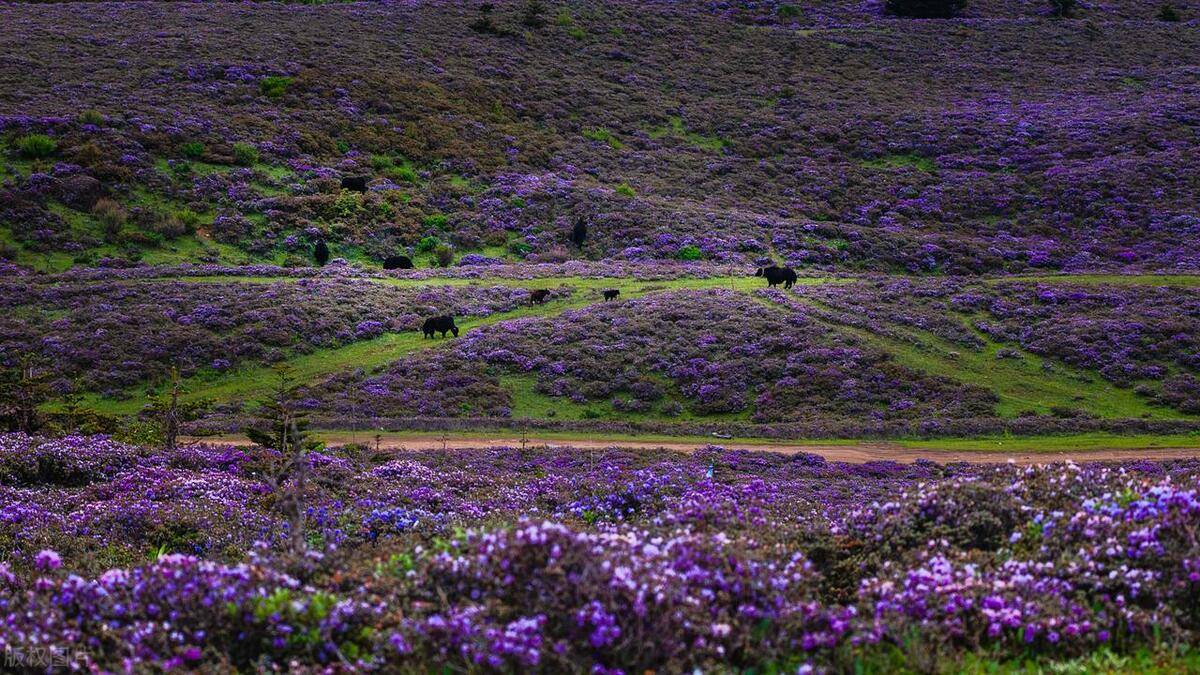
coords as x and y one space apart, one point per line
611 294
539 296
355 183
321 252
442 324
397 262
579 233
777 275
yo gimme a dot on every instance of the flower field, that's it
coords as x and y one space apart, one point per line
538 559
854 235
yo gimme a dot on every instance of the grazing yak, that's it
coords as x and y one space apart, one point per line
355 183
443 324
539 296
321 252
777 275
579 233
397 262
611 294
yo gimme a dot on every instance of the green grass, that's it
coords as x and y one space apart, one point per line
1058 443
901 161
675 128
1021 384
602 135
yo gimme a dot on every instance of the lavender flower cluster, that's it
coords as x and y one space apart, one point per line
566 559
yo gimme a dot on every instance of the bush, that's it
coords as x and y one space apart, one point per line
626 190
788 12
533 14
1168 13
403 173
36 146
438 220
192 149
1063 9
244 154
924 9
427 244
690 252
274 86
92 117
444 255
111 215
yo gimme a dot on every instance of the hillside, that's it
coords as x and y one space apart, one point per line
822 134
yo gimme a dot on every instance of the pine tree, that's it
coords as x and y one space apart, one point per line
23 390
283 427
169 411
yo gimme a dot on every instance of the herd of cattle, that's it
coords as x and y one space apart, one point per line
445 324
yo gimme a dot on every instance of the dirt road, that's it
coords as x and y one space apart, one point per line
855 453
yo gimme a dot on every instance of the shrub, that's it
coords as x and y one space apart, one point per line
404 173
244 154
788 12
924 9
92 117
690 252
192 149
171 226
274 86
427 244
444 255
495 238
602 135
36 146
625 190
1063 9
532 15
437 220
111 215
484 23
1168 13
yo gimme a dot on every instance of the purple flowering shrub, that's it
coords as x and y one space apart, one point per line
113 335
565 559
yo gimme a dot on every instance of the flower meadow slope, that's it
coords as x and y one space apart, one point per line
121 557
107 336
1006 140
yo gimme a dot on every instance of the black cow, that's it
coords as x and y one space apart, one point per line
539 296
443 324
611 294
321 252
777 275
355 183
397 262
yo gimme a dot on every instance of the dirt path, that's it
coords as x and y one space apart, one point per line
855 453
